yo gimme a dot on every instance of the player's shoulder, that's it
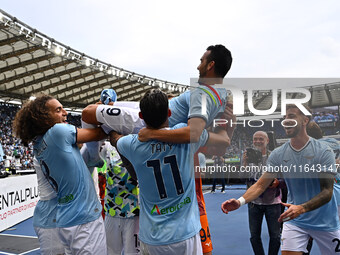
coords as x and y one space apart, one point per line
60 133
128 139
59 127
331 142
323 149
319 144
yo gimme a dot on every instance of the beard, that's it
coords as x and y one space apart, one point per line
294 133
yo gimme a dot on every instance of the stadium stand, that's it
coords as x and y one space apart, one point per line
16 156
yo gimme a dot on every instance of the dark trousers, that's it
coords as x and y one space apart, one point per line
215 181
255 214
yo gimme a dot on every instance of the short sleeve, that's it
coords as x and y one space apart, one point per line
328 161
64 134
272 161
196 108
201 160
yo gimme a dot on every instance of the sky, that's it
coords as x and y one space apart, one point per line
166 39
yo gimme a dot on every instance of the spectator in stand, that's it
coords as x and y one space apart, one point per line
11 143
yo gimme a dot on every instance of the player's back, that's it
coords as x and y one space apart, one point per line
169 211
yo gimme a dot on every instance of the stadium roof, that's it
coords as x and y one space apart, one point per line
32 63
324 94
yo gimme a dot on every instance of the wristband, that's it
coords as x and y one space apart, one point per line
242 201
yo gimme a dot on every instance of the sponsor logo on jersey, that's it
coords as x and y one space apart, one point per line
65 199
163 211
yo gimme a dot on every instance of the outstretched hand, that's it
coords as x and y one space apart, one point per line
230 205
292 212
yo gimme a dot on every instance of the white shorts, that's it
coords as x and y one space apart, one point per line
122 234
50 243
123 120
190 246
88 238
296 239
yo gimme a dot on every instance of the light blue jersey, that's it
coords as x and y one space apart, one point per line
189 105
303 183
64 167
335 146
169 211
45 213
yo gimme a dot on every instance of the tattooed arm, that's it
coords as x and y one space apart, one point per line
325 195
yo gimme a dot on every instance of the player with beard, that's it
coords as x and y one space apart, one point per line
311 204
186 108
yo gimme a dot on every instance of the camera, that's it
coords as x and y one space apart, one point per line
254 156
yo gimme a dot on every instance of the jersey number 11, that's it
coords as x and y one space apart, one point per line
156 165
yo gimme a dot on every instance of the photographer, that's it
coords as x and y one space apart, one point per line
268 203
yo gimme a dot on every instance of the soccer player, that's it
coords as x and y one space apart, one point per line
311 203
121 206
121 194
78 217
186 108
169 217
314 130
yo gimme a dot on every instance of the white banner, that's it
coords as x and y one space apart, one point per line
18 198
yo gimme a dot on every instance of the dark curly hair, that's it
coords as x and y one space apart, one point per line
32 119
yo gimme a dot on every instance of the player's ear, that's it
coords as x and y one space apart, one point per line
306 120
211 64
140 115
169 113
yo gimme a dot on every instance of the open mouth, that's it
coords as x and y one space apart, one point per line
289 124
